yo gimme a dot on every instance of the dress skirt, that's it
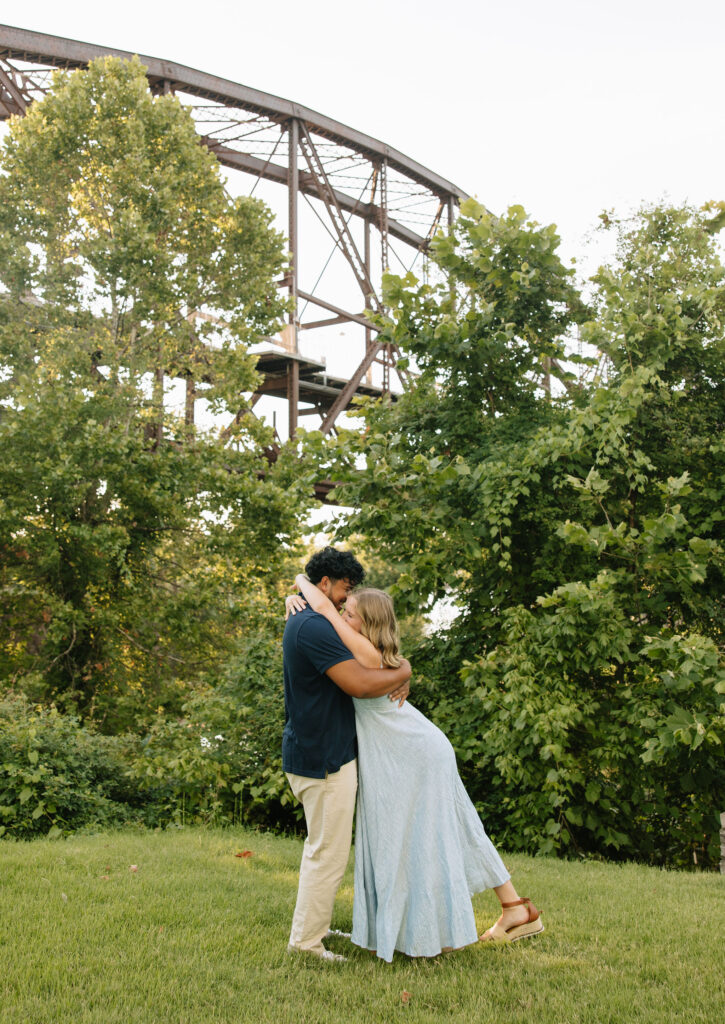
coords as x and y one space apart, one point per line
421 851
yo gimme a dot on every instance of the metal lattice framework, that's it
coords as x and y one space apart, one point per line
361 190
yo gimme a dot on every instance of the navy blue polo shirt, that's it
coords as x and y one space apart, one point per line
319 732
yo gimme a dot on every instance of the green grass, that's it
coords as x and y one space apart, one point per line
198 936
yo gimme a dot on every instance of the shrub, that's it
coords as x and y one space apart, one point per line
57 776
217 761
611 747
220 762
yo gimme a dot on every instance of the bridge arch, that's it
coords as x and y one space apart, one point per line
370 198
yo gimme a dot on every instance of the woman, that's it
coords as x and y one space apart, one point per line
421 851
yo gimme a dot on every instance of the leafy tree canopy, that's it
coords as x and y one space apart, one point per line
131 286
580 532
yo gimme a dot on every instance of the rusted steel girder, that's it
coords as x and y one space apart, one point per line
15 101
348 392
38 47
370 212
355 318
344 236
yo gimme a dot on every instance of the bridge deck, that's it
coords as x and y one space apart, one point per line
283 370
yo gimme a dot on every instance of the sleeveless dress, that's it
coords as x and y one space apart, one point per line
421 851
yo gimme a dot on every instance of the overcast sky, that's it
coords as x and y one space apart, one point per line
566 107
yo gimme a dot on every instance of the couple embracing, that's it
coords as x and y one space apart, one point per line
421 851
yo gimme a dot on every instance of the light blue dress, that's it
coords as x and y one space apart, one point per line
421 851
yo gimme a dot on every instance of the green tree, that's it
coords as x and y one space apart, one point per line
131 286
580 535
484 357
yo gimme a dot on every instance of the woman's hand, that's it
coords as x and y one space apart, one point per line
293 604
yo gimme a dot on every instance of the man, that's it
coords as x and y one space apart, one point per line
319 746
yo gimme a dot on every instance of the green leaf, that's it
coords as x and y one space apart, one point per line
574 815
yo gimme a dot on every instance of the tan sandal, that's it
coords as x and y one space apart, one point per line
534 925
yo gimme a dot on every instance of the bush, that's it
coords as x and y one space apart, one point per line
217 765
57 776
220 762
217 761
610 746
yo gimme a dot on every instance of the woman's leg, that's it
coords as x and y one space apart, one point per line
519 918
510 916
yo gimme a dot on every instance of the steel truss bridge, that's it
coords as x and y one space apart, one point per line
368 196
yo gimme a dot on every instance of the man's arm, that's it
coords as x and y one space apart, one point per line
368 682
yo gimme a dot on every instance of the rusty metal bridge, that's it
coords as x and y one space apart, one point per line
369 198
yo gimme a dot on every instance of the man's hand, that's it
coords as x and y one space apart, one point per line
400 693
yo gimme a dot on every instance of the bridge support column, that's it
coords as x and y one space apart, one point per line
293 376
368 298
293 391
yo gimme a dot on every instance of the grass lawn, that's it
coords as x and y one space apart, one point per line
197 935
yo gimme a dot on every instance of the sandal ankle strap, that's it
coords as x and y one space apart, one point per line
526 902
516 903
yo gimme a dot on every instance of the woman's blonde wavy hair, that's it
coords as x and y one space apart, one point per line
379 624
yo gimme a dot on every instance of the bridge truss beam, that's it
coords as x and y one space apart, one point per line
359 184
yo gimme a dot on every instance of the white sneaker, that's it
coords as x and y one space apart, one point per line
326 954
322 954
338 933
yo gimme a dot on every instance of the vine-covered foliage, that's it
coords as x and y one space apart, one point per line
580 534
215 763
56 776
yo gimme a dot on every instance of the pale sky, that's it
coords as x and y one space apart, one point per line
567 107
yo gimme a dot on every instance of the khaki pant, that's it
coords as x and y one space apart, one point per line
329 806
